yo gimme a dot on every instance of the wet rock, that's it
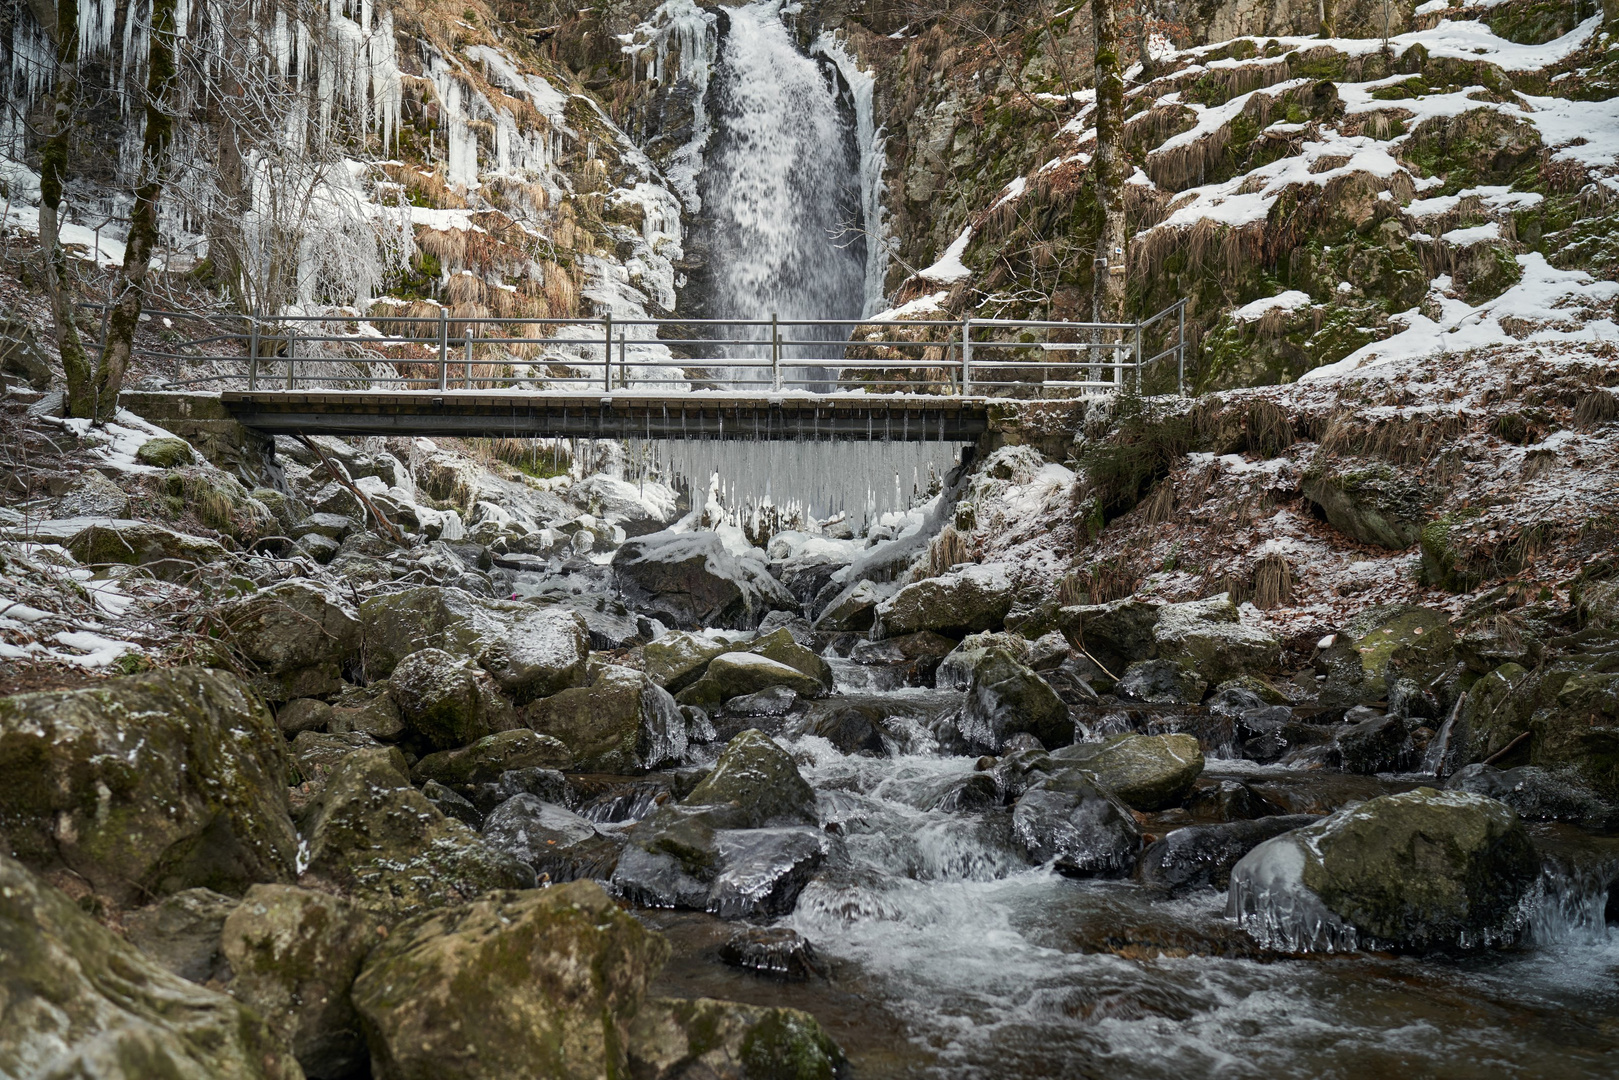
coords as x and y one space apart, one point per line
1115 634
1160 682
303 714
468 768
294 955
674 1038
780 645
378 840
776 701
974 792
776 951
956 669
164 553
847 726
690 580
734 674
535 983
541 652
165 452
762 871
82 1002
623 722
547 785
1422 869
1382 645
1201 856
1538 794
1004 698
854 608
1146 772
1376 745
1579 728
146 785
557 843
678 659
1221 799
1370 501
754 784
1076 827
447 701
963 601
181 933
295 633
450 804
369 710
398 624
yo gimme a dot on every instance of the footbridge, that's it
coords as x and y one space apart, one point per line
435 373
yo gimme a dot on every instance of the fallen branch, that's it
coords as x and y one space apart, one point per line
341 475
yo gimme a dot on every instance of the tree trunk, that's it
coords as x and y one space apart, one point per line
143 225
52 175
1108 167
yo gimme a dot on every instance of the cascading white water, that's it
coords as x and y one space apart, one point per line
782 188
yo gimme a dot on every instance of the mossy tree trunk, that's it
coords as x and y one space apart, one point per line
1108 167
130 292
52 176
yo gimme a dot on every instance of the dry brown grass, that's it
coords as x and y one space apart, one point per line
1400 441
1595 409
1273 582
947 549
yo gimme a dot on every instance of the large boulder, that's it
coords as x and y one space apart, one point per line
431 617
1579 728
1146 772
537 983
676 860
1370 500
299 635
622 723
1115 634
780 645
181 932
753 785
689 580
854 608
1077 828
734 674
447 701
1422 869
374 837
294 955
1004 698
1201 856
467 769
541 652
964 601
1539 794
78 1001
1383 645
678 659
149 784
1205 637
556 843
683 1039
164 553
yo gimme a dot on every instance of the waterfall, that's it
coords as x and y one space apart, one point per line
782 188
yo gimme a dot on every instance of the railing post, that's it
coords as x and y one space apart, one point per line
469 357
1138 358
253 355
623 359
1180 347
775 353
966 356
607 353
292 356
443 348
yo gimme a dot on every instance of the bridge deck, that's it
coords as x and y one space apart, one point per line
615 415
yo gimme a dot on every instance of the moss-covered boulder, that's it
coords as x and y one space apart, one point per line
1370 501
779 645
1115 634
678 659
1147 772
1005 698
854 608
368 710
963 601
621 723
430 617
1495 712
1422 869
149 784
1206 637
79 1001
375 838
540 652
466 769
672 1038
1385 644
538 983
754 784
297 634
165 452
165 554
294 955
734 674
1581 730
447 701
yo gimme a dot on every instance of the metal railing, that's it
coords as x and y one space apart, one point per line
1011 358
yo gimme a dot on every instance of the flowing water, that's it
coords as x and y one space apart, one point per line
781 189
